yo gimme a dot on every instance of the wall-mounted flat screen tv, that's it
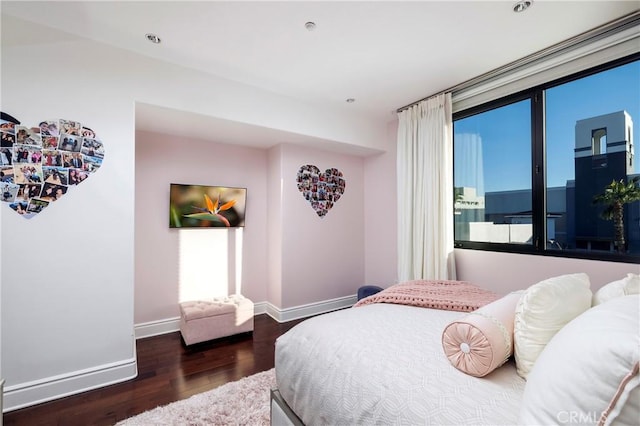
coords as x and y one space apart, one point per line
200 206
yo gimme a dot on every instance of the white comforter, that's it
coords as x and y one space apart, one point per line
384 364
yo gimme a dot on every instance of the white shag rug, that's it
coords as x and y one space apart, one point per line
244 402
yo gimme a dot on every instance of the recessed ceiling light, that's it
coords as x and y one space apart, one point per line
522 5
153 38
350 100
310 26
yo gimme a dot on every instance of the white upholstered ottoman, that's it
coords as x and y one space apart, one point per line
211 319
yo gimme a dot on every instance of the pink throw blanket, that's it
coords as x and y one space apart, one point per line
447 295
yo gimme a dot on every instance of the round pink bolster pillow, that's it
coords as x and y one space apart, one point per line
482 340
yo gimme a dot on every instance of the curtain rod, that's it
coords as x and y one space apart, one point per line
616 25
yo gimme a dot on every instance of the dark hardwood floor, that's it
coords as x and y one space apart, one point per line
167 371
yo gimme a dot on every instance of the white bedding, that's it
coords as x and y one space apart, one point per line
384 364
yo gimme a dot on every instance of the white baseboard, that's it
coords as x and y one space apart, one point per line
310 309
170 325
156 328
32 393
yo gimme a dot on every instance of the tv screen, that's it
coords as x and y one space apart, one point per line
200 206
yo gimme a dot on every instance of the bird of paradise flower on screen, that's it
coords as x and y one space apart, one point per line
212 210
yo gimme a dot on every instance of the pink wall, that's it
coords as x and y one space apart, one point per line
163 159
505 272
381 214
322 258
274 219
291 256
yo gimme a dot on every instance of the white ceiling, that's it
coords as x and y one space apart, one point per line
385 54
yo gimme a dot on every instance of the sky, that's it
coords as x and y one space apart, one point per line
506 132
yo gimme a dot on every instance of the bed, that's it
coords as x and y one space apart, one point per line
384 363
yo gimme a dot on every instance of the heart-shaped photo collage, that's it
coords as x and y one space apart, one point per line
322 190
39 165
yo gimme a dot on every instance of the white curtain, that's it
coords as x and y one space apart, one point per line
425 191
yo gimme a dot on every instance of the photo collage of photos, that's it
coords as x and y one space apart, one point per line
38 165
322 190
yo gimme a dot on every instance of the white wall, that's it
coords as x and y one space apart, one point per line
68 270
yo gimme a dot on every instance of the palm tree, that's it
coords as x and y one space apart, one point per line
458 194
614 197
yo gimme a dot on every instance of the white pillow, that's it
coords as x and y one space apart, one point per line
543 309
624 287
588 373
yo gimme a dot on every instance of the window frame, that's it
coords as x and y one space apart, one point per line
538 170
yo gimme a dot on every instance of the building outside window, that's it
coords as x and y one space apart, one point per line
528 167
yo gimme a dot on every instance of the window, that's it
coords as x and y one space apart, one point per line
599 141
528 168
493 198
